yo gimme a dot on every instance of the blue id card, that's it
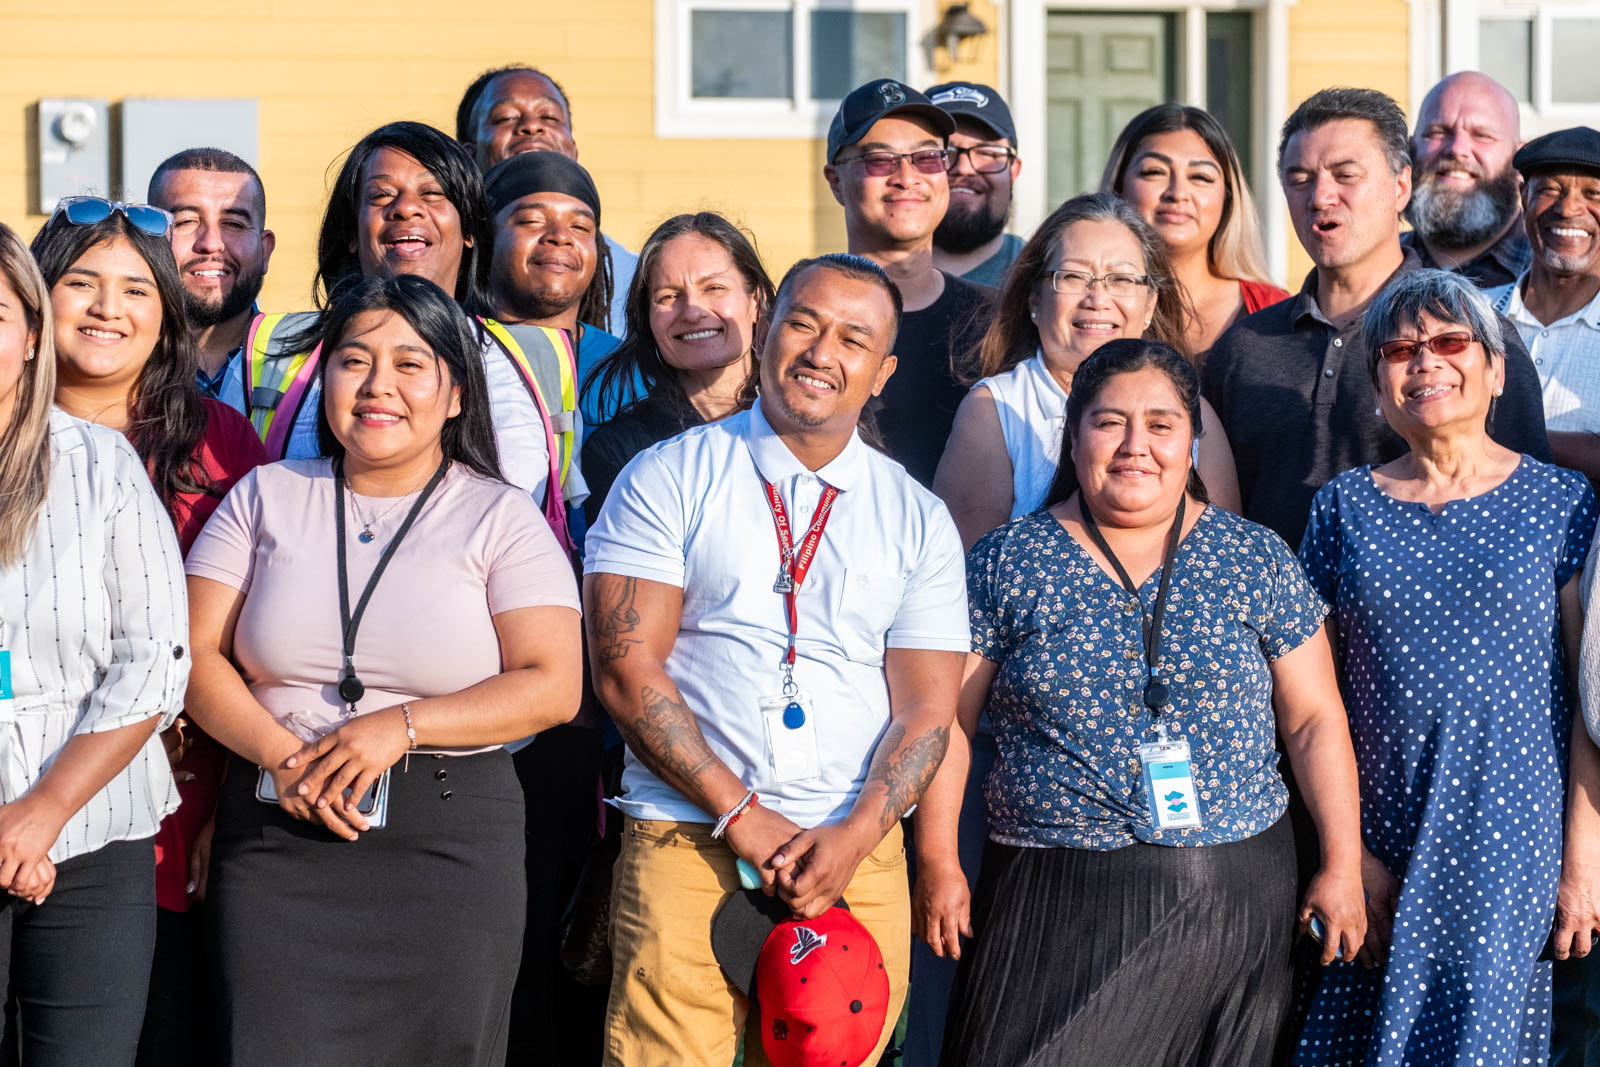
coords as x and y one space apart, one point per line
1169 785
5 674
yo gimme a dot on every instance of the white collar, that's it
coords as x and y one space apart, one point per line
774 461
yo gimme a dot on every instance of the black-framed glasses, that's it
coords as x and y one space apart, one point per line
984 158
1444 344
88 210
883 164
1077 282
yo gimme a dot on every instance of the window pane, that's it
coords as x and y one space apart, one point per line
1575 67
741 54
1229 66
1505 53
852 47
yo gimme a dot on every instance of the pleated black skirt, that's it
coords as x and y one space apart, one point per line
1147 956
401 947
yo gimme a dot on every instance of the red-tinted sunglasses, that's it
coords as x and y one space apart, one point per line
1444 344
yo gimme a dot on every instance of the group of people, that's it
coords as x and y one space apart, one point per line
975 583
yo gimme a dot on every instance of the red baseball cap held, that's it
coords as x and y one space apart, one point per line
821 991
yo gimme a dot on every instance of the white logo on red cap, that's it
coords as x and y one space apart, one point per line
805 943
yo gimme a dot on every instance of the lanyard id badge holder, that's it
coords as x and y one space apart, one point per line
1167 771
788 718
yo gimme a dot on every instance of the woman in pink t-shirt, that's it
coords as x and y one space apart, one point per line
367 888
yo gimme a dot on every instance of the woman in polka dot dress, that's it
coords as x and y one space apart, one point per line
1454 574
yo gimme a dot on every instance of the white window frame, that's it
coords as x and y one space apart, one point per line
1461 53
680 114
1271 107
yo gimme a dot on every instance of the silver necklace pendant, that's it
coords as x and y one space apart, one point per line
366 536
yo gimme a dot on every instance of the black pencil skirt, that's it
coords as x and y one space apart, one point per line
1147 956
401 947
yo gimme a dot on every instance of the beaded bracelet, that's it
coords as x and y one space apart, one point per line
731 816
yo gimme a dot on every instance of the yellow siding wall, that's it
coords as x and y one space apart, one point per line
327 71
1362 43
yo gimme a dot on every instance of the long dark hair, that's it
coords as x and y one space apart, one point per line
1235 249
1125 355
338 267
1012 336
468 438
166 417
610 382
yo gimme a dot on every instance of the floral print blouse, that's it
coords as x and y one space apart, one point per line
1067 704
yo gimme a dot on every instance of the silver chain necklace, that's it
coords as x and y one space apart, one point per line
366 536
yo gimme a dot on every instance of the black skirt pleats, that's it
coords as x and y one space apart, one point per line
400 947
1146 956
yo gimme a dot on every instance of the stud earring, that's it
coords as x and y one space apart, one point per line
1034 315
1378 412
1499 392
29 356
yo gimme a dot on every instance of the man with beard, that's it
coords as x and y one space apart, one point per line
1556 304
1464 211
888 153
971 240
222 245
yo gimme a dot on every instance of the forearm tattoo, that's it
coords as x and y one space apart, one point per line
615 617
905 772
666 736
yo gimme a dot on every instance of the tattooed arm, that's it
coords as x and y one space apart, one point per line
815 867
633 623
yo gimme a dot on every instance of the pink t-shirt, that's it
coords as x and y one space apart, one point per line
478 548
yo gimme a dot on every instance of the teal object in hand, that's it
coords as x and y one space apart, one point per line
748 876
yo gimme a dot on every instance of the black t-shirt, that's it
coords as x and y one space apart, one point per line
614 443
1295 397
919 403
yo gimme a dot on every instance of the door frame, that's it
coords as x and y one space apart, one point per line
1271 107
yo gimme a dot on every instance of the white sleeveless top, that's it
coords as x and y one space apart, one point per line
1033 413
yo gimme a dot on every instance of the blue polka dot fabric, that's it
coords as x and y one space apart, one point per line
1453 676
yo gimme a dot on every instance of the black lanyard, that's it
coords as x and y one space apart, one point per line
1156 694
350 687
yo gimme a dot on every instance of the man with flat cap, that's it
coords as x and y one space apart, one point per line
971 240
1555 304
888 157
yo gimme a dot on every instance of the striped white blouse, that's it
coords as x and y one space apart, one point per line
96 621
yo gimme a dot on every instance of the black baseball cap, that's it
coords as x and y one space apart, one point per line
978 102
877 100
1574 149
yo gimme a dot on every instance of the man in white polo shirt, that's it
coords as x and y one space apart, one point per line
778 624
1556 302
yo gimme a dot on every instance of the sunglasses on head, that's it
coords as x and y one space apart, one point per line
88 210
883 164
1444 344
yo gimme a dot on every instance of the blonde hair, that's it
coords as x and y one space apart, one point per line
1236 249
25 443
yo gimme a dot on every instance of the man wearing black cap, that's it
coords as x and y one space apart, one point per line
1555 304
550 266
971 239
888 152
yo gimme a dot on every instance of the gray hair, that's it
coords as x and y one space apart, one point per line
1331 105
1441 295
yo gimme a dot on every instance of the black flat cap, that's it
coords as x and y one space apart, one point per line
1574 149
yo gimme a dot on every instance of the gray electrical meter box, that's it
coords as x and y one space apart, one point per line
74 150
153 129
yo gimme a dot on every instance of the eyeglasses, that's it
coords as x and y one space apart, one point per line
984 158
88 210
1076 282
883 164
1444 344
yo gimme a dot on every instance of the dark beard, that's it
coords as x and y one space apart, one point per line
969 230
1454 221
203 316
520 305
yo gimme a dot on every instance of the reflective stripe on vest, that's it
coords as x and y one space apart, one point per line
275 384
558 441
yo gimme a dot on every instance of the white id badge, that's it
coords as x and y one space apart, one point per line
1169 785
791 737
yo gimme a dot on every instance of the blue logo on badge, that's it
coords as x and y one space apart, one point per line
1177 808
1174 795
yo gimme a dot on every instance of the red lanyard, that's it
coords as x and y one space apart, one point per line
792 565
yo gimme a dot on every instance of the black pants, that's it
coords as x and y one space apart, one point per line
178 1017
555 1022
80 962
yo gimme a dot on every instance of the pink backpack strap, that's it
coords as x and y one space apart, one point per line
283 420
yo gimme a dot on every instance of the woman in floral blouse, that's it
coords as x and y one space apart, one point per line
1136 902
